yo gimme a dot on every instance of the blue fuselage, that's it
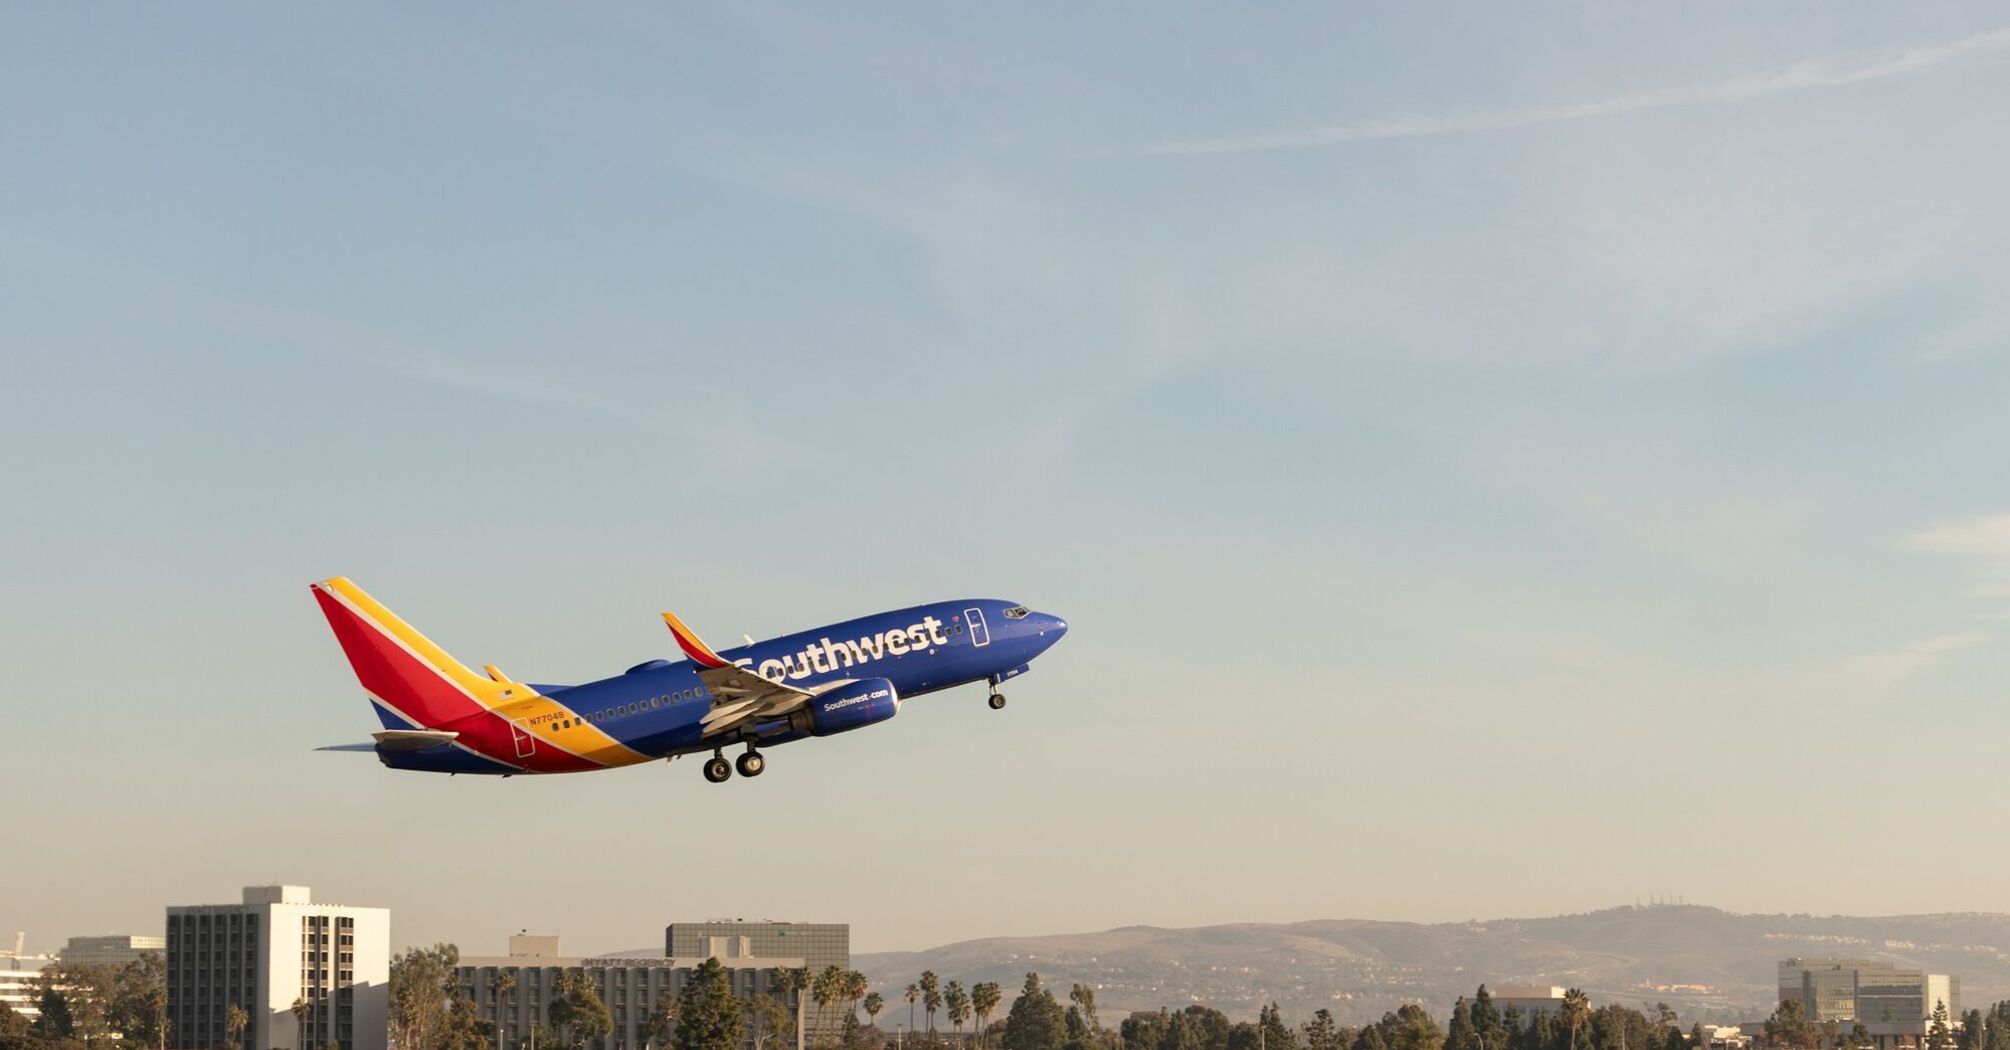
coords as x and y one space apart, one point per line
657 708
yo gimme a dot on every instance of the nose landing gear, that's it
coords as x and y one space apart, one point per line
997 700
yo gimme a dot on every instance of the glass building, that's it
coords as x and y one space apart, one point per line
1895 1003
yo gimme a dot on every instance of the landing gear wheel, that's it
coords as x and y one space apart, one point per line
751 764
997 701
718 770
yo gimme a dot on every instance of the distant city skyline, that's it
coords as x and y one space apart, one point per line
1494 462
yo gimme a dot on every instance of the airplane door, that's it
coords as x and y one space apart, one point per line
980 635
519 731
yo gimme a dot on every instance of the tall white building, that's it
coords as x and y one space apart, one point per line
273 950
21 988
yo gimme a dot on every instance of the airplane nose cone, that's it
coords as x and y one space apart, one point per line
1053 627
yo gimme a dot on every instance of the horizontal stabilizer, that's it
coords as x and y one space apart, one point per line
411 739
349 747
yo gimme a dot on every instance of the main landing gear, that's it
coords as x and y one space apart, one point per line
751 764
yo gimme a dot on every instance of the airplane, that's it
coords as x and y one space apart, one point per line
441 717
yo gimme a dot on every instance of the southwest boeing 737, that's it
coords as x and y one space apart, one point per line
441 717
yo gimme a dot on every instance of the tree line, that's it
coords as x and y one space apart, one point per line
93 1007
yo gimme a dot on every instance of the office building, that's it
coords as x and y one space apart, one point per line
818 944
1894 1003
274 948
110 951
1529 999
21 987
630 987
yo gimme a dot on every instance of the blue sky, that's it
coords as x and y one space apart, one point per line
1491 458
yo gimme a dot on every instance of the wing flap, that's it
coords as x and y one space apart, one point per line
740 695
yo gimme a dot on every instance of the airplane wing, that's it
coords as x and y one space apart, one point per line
739 695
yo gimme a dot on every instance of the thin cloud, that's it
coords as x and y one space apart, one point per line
1835 71
1882 670
1982 539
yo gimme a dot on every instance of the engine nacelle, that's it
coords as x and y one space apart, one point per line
848 707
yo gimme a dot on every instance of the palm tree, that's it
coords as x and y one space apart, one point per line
984 998
959 1008
855 987
873 1005
234 1020
301 1008
1576 1011
931 997
913 993
790 984
505 987
824 991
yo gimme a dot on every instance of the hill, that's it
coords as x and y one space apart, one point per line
1710 965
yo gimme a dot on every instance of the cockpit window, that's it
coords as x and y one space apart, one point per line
1017 612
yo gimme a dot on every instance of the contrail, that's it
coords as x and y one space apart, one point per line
1834 71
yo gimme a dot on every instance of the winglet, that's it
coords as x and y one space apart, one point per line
695 648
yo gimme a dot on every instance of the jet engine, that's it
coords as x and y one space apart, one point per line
847 707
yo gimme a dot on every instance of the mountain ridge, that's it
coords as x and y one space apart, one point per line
1709 964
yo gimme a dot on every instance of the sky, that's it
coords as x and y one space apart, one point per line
1495 460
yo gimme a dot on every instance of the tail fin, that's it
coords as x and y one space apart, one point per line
411 680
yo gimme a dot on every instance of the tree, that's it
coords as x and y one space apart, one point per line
1273 1033
1576 1011
959 1007
1459 1032
826 988
1036 1021
1789 1027
505 989
709 1017
1084 997
660 1028
984 999
1142 1030
465 1028
577 1011
139 1001
424 987
1487 1023
873 1005
76 1003
1409 1027
767 1018
931 997
913 994
234 1022
301 1009
855 987
1206 1028
1972 1030
1939 1036
1321 1033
